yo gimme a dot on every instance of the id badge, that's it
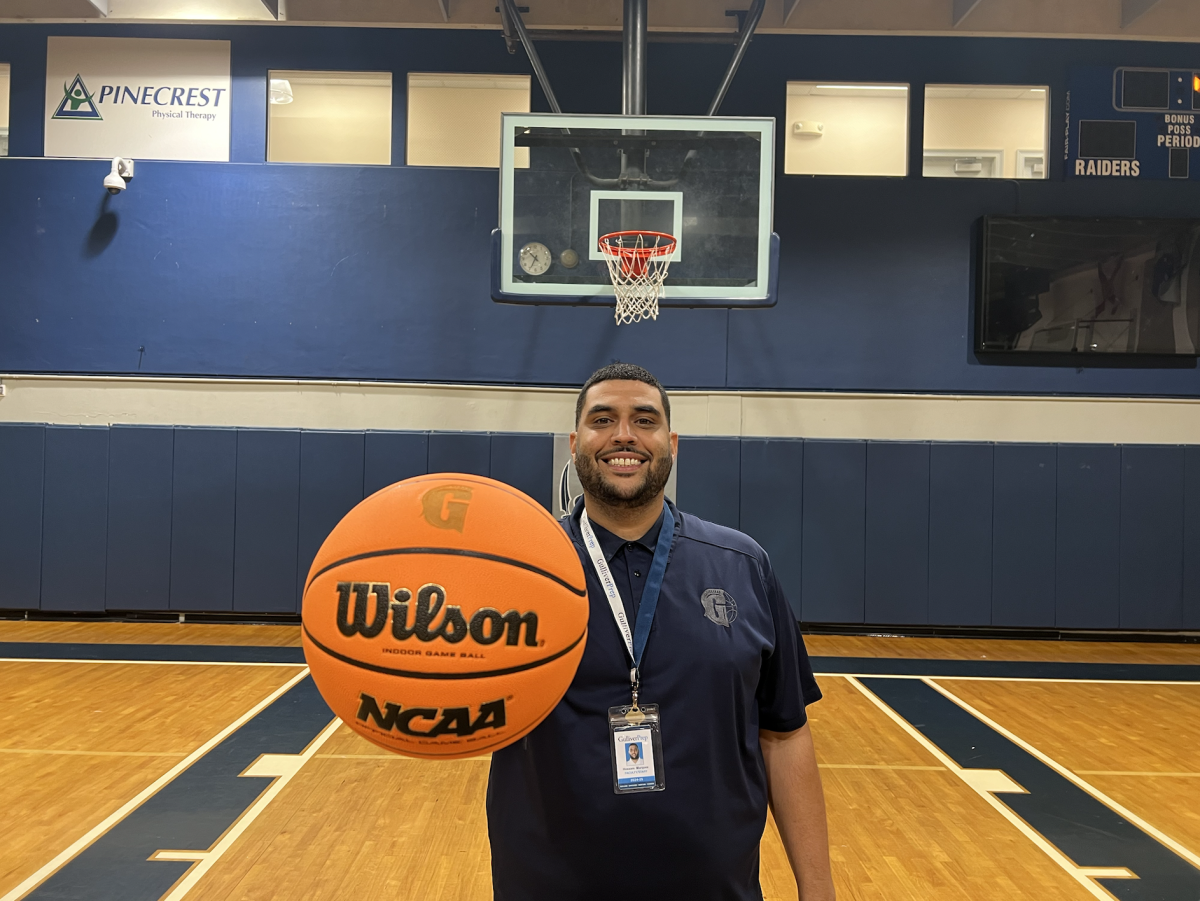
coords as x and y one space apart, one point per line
635 743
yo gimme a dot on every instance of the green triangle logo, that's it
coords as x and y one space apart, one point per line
77 102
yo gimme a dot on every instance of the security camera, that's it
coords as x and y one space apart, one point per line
118 179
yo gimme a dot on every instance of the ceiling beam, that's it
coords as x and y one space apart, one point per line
271 5
1132 10
789 7
444 6
962 9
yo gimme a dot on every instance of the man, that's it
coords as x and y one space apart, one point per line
711 641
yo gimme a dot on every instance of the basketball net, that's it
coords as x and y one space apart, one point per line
637 262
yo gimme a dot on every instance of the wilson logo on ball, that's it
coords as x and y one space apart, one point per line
446 721
487 625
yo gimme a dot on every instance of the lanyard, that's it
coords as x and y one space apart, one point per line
635 642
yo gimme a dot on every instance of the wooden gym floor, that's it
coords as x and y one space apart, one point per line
147 761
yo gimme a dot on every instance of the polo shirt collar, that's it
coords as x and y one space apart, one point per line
610 544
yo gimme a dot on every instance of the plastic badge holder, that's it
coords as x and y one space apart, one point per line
636 746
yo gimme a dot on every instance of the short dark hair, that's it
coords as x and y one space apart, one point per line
622 372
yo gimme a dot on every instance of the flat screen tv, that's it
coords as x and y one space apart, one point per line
1066 285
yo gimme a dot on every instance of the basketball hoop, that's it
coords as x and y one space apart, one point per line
637 262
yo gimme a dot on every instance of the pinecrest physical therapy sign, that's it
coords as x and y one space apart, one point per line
145 98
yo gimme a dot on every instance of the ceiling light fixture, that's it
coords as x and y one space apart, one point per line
863 87
280 91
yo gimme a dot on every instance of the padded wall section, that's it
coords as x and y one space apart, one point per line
1191 538
75 519
772 507
960 534
331 483
220 520
1023 537
524 461
22 449
709 479
1152 522
267 521
834 531
141 461
1088 543
391 457
897 533
202 520
468 452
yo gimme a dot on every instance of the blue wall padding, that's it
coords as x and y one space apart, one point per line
267 521
897 533
772 504
523 461
21 454
255 269
202 519
75 519
960 534
468 452
391 457
1035 535
141 463
1023 532
834 536
1152 537
1088 543
710 471
331 483
1191 538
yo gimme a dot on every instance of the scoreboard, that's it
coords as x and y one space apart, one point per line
1130 122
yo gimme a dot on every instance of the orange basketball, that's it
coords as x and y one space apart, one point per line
445 616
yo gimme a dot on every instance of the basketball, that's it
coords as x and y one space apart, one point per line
445 616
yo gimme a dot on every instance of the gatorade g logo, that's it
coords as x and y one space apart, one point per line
487 626
446 721
446 507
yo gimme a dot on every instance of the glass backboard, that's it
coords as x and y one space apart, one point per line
567 180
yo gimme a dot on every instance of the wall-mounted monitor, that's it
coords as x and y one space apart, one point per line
1065 285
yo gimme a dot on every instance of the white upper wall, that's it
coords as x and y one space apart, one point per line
5 86
865 129
82 400
454 120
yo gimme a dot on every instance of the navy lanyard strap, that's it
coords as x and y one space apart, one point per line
654 580
635 642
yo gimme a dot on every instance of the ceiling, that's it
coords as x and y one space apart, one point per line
1159 20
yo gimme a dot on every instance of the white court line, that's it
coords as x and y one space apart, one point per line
1080 875
56 863
144 662
1104 799
1016 678
287 771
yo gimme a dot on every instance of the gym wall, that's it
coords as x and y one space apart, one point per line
249 270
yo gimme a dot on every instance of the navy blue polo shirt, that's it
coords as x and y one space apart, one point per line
724 659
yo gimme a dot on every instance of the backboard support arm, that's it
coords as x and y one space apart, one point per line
513 17
739 51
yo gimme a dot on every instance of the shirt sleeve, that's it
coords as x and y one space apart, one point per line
786 683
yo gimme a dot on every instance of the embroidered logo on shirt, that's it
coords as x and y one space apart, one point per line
719 607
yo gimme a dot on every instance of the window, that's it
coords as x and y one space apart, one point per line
329 117
4 83
846 129
454 120
985 131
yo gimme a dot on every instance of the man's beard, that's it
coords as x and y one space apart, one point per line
594 483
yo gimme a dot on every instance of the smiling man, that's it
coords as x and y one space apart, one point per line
692 653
